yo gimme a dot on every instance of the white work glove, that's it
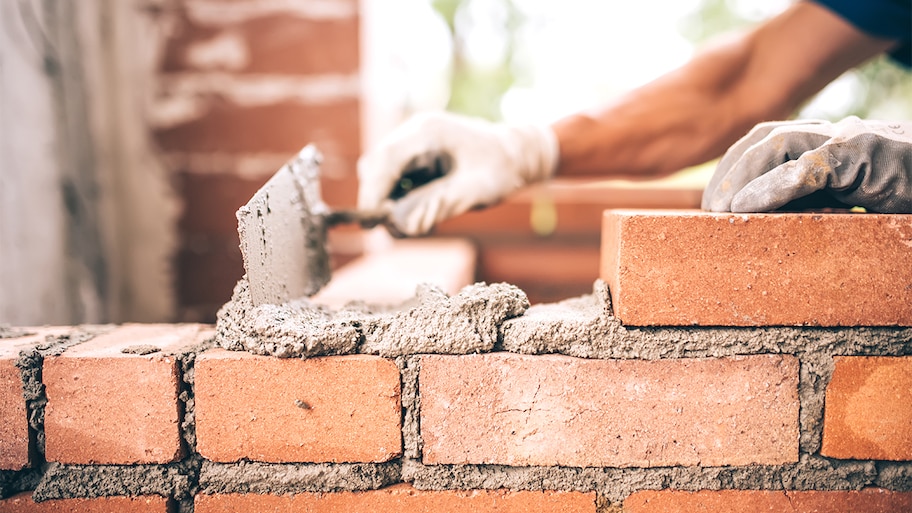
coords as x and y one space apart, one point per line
483 161
857 163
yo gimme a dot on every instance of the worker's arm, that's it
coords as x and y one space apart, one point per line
683 118
694 113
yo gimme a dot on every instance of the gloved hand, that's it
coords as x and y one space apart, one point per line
487 161
857 163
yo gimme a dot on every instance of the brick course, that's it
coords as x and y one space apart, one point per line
403 498
868 413
14 426
109 404
700 268
333 409
757 501
23 503
554 410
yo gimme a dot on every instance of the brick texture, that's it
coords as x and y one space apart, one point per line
15 453
109 404
761 501
403 498
555 410
23 503
14 433
701 268
334 409
868 413
278 127
274 44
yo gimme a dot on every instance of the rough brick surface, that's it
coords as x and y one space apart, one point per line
554 410
23 503
108 403
335 409
689 267
868 412
276 44
757 501
403 498
14 434
14 428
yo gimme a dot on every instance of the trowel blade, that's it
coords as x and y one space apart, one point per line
282 233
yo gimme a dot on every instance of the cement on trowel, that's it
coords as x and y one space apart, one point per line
282 233
431 322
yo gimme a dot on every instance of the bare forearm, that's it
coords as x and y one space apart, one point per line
695 112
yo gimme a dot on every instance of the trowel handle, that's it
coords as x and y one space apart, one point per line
420 175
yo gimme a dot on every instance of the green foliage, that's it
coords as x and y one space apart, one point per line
477 90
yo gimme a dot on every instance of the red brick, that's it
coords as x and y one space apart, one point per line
578 206
106 406
14 428
701 268
391 275
334 409
23 503
274 44
868 413
403 498
279 127
756 501
556 410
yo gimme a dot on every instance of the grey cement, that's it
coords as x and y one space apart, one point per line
64 481
615 484
432 322
253 477
479 318
282 233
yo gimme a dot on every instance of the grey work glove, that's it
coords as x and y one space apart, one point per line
857 163
487 161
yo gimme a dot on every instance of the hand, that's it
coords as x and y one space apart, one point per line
857 163
486 162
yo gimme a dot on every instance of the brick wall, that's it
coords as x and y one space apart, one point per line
243 85
570 410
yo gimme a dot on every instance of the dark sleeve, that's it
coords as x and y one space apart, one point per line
887 19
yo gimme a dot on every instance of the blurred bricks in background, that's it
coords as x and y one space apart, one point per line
242 87
868 412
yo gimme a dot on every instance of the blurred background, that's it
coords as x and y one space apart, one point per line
131 130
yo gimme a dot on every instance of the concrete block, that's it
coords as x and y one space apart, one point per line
510 409
403 498
23 503
869 500
700 268
114 399
333 409
868 412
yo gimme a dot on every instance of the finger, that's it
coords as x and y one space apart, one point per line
380 168
418 212
787 182
720 181
780 146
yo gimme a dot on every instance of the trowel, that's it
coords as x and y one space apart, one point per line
283 228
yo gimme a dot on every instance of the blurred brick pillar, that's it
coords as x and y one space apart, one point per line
244 84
